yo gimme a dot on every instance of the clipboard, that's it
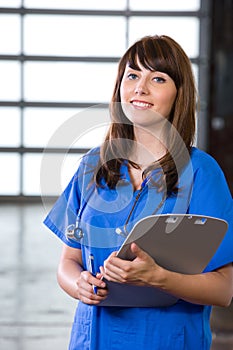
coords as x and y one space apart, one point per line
178 242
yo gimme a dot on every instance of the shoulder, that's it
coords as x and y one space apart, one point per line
89 160
210 191
203 161
86 168
92 155
208 175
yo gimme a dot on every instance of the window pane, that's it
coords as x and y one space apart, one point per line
174 27
10 81
63 127
51 180
10 127
165 5
69 166
41 123
78 4
92 138
69 82
10 41
9 175
66 35
31 172
10 3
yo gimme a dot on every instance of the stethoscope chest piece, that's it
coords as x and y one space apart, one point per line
74 232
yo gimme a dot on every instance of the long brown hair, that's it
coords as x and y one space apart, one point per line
156 53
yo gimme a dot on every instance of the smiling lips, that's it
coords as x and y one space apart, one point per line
141 104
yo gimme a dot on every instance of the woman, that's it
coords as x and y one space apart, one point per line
147 165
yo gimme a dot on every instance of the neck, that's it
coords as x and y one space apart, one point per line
148 148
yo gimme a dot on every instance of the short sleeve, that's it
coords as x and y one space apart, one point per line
64 212
68 205
211 197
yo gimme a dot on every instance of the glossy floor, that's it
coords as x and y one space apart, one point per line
35 313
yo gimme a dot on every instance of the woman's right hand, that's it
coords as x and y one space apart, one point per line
78 283
90 289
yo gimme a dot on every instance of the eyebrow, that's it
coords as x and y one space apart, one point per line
153 71
134 68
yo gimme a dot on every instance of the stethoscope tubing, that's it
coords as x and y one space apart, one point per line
74 231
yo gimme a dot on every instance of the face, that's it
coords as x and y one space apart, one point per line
146 96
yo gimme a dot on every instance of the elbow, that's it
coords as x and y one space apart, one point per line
60 277
227 302
224 302
228 295
225 289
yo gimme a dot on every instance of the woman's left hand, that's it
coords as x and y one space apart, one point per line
138 271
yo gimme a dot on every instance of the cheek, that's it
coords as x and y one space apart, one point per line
168 101
122 93
171 100
126 90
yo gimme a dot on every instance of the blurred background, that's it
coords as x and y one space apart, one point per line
58 59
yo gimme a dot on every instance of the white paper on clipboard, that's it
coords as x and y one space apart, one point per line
179 242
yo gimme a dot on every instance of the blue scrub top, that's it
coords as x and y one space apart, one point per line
101 210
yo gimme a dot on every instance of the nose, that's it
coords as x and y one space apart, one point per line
141 88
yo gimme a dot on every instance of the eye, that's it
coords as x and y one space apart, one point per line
132 76
159 79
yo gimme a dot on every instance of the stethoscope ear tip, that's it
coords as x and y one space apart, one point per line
118 231
121 232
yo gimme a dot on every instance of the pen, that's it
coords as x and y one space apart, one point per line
92 270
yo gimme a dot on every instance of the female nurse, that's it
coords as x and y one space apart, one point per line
146 165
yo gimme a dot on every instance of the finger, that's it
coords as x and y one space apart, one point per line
90 301
99 283
102 292
92 280
87 295
116 264
113 266
113 254
138 251
113 274
90 285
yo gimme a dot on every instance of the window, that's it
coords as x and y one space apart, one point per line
62 35
58 71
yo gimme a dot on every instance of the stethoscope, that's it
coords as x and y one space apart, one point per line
123 231
75 233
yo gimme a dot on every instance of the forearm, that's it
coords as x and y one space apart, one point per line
67 275
76 282
213 288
